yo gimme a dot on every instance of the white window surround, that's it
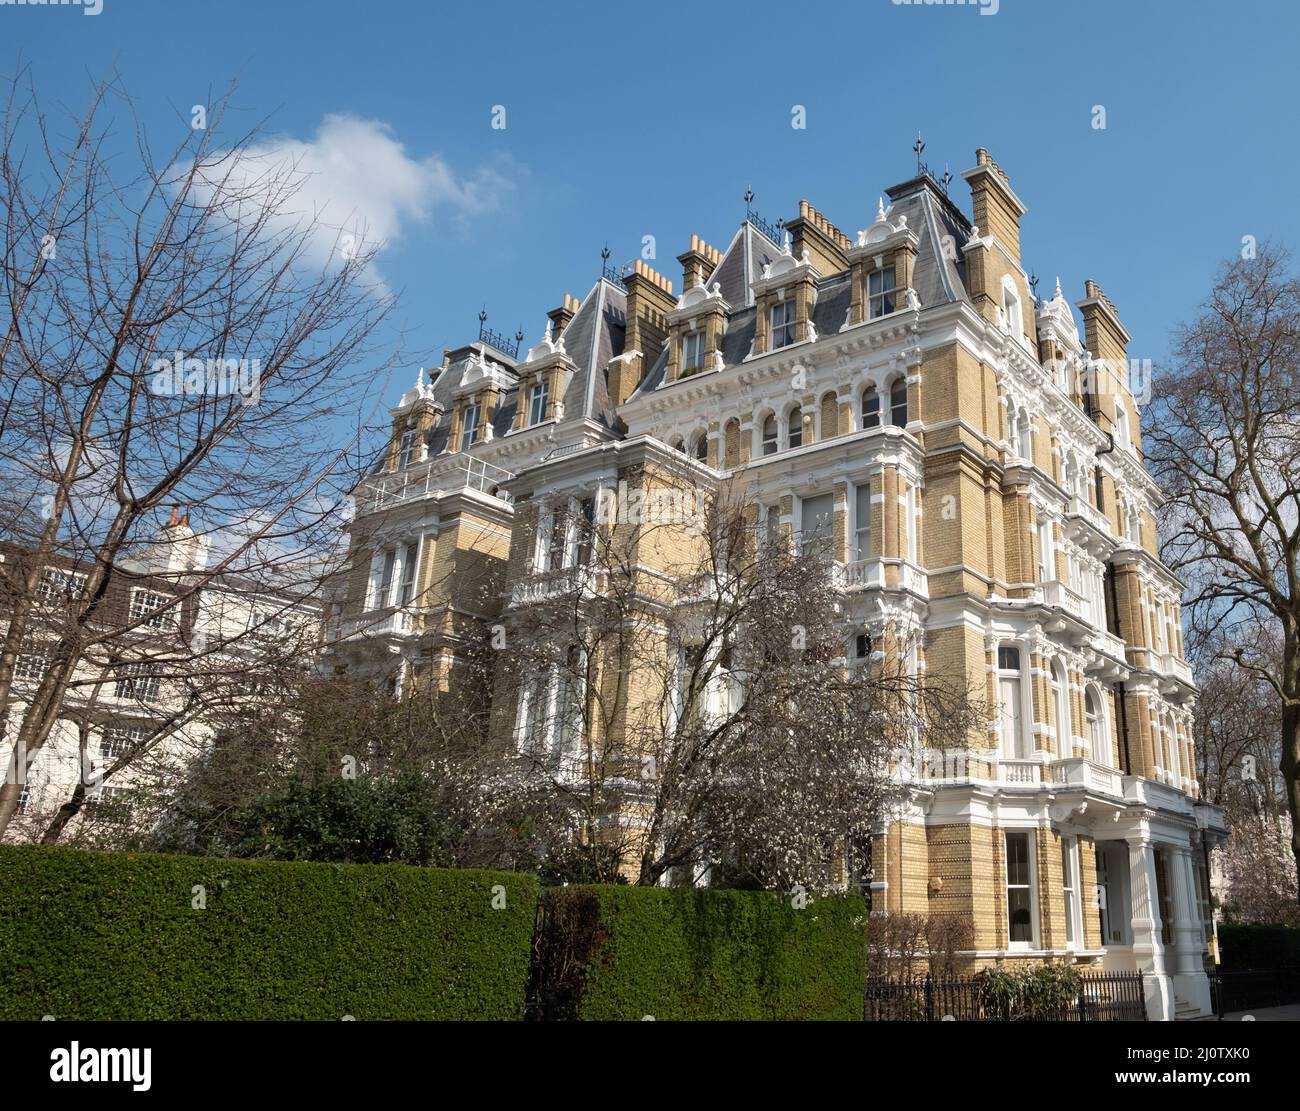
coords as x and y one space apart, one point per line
862 521
538 398
692 351
1013 710
1020 872
145 604
1098 726
881 292
781 321
1061 707
1070 892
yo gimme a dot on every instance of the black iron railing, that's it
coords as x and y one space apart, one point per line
1253 988
1101 997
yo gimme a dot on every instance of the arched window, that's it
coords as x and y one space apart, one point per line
769 434
870 408
679 445
1098 741
1061 701
898 403
701 448
1015 742
795 427
1121 424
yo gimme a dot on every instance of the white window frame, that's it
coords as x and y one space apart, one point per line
1070 892
809 536
692 351
881 297
870 402
897 388
406 448
1031 885
1097 725
1014 737
58 584
134 682
538 399
782 330
794 418
468 426
769 445
33 660
1059 679
861 526
145 602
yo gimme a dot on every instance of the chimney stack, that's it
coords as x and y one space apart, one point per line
649 300
698 263
560 317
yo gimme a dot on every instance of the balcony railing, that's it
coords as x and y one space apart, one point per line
872 574
989 767
552 584
1081 509
1060 596
1170 664
444 474
378 623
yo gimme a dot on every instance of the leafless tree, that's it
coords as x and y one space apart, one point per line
1237 737
170 337
1225 444
689 684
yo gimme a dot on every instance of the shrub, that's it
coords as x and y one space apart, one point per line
87 935
1042 992
1249 946
682 953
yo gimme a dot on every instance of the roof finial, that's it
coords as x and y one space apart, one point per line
880 210
1058 294
918 147
749 200
548 331
419 380
786 245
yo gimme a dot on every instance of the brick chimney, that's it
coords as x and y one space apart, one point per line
560 317
825 243
698 263
649 300
995 208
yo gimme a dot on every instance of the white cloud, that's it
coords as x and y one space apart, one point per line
356 179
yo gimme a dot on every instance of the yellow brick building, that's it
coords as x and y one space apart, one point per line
976 462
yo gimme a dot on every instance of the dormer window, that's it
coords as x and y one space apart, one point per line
537 399
870 408
880 292
407 448
692 352
782 317
1011 308
769 434
795 427
469 426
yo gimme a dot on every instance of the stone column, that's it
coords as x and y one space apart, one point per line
1148 950
1187 934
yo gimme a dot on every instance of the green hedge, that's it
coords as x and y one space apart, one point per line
629 952
116 936
1247 946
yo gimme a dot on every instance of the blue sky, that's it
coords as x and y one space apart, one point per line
653 120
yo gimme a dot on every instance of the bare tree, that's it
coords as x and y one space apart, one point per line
171 336
690 686
1225 445
1237 737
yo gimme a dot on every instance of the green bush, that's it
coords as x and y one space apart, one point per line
1248 946
628 952
1044 992
88 935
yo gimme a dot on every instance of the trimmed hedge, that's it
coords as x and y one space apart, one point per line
1247 946
87 935
628 952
